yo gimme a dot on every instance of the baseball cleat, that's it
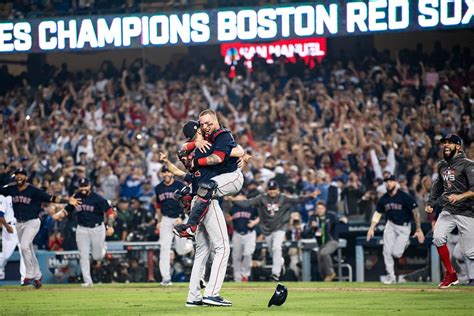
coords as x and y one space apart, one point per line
87 284
274 277
166 283
388 279
471 282
194 303
37 283
449 279
26 282
216 301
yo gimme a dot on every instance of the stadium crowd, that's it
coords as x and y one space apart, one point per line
337 127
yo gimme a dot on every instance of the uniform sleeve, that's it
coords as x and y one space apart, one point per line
253 202
296 200
410 203
42 195
103 205
380 207
437 189
224 143
470 174
69 208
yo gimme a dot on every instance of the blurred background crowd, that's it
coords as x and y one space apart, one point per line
337 127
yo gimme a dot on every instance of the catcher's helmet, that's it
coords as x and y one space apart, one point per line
279 297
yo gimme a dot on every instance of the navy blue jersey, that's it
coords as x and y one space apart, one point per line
26 203
91 210
397 208
223 141
165 198
241 217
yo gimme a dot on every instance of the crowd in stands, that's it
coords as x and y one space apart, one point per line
337 127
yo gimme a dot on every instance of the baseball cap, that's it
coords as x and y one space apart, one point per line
190 128
453 138
21 171
272 185
390 178
82 182
165 169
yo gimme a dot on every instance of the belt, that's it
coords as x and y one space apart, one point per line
402 224
24 220
241 233
91 225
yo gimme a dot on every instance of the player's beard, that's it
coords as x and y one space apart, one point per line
20 182
391 190
83 192
449 154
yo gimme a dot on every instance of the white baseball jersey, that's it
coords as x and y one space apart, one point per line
7 208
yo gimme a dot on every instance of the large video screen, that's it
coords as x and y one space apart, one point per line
269 23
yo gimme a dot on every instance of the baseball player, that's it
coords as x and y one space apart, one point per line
454 189
168 213
26 202
9 236
244 220
274 210
215 173
399 208
91 231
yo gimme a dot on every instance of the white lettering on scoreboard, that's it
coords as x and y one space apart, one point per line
222 26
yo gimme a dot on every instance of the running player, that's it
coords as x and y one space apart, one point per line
26 202
91 231
400 208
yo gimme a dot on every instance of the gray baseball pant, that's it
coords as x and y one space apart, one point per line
26 233
275 246
395 240
90 239
445 224
243 247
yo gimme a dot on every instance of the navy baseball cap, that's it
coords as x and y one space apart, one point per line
453 138
190 129
83 182
272 185
390 178
165 169
20 171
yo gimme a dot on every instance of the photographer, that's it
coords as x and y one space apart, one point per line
322 227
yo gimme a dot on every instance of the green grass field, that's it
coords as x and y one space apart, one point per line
304 298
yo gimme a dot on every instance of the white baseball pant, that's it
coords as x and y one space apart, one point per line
212 232
9 243
26 233
90 240
229 183
182 245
